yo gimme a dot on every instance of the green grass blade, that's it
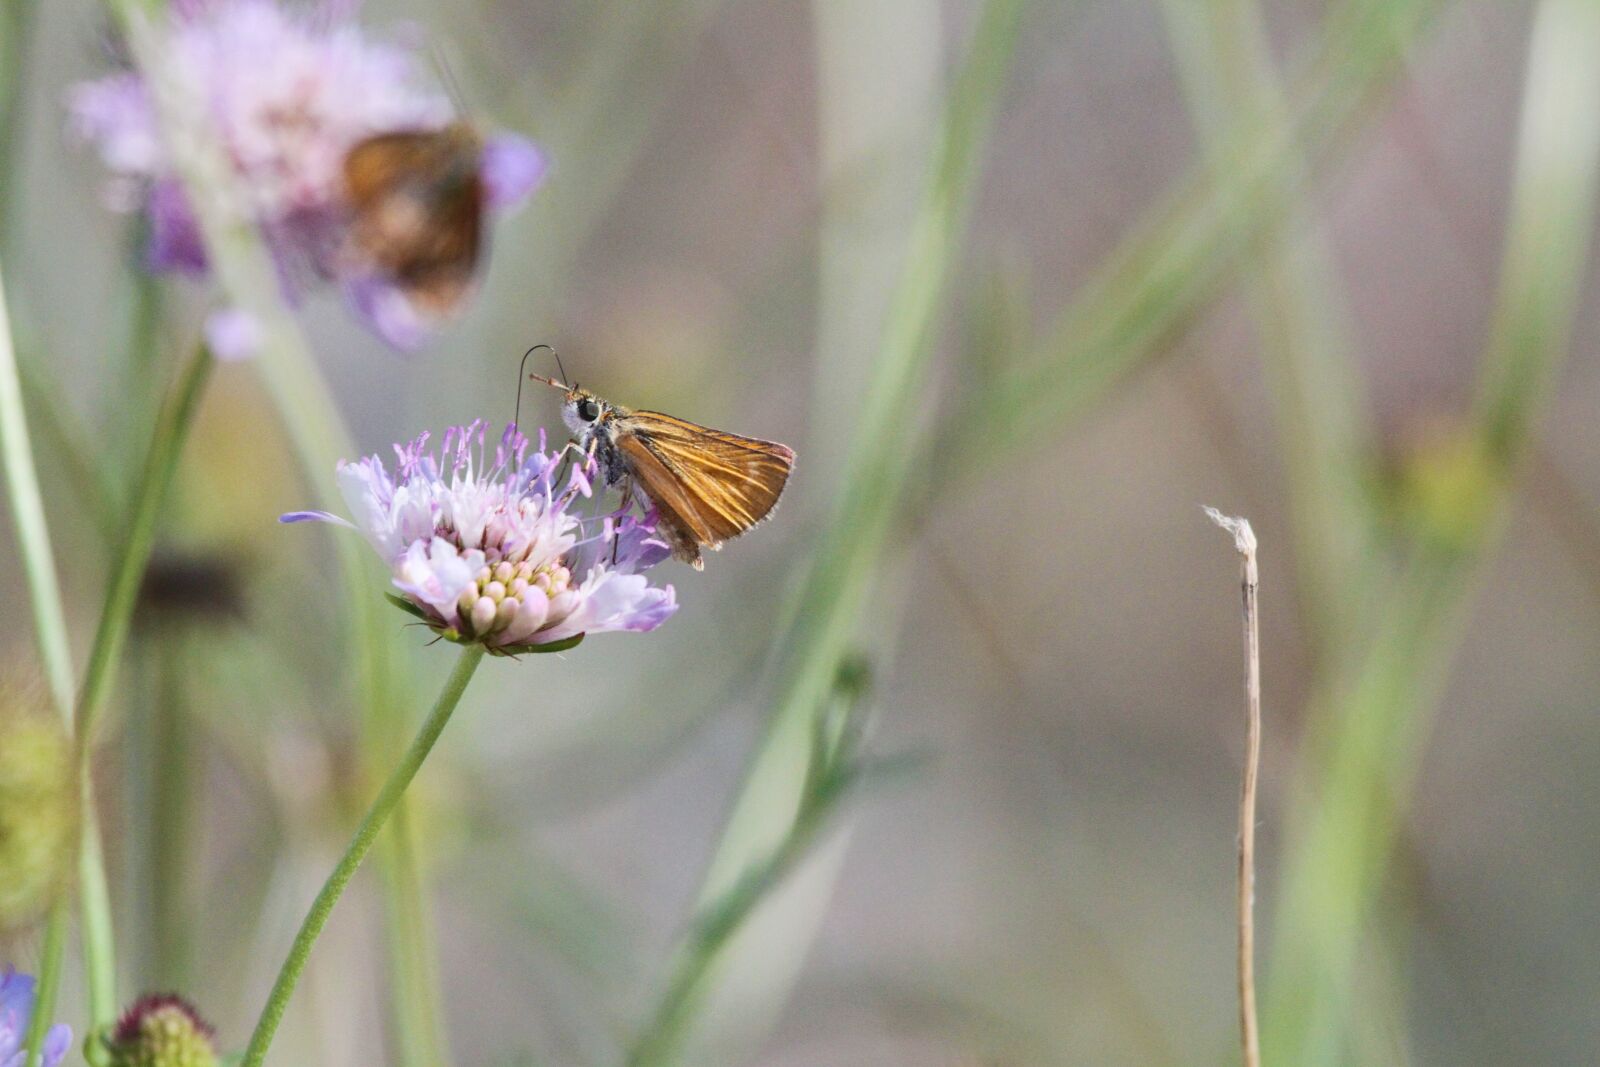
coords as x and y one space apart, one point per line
879 466
1222 53
877 479
32 533
1178 259
32 530
877 469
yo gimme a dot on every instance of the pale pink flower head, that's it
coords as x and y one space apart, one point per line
486 547
287 91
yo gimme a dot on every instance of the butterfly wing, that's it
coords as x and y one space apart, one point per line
417 200
712 484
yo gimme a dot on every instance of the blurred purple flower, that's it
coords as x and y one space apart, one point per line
513 167
16 1006
288 92
233 334
486 547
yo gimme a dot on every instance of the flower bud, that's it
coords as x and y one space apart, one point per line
483 613
38 808
162 1031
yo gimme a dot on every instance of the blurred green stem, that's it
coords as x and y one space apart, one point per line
716 924
161 463
169 820
1223 54
51 956
32 529
32 533
1374 718
50 624
880 462
1183 251
63 437
142 365
17 20
360 844
879 470
105 655
34 540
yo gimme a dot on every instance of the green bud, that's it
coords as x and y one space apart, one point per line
38 808
1448 483
162 1031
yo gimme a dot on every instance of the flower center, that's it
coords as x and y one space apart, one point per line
501 589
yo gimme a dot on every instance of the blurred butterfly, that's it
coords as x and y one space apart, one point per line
417 202
706 485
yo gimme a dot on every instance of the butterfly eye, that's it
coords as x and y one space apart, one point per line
588 409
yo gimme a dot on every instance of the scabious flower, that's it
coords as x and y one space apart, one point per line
486 547
287 92
162 1031
16 1007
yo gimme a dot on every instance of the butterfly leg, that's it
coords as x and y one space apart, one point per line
622 510
568 450
566 462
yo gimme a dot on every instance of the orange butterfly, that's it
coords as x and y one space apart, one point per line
417 199
707 486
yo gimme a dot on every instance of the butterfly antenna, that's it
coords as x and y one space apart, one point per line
522 373
448 76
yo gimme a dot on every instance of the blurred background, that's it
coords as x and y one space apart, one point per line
1321 264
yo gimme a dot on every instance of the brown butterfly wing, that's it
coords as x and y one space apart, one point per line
417 201
710 484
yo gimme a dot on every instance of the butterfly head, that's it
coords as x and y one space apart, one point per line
581 410
584 413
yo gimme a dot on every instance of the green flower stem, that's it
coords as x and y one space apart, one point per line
168 823
32 530
50 624
878 469
360 844
50 959
714 927
161 464
94 905
413 957
320 439
879 475
65 438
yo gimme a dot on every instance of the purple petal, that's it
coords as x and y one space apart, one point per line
233 335
56 1042
389 312
114 114
315 516
175 242
16 993
512 167
650 611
